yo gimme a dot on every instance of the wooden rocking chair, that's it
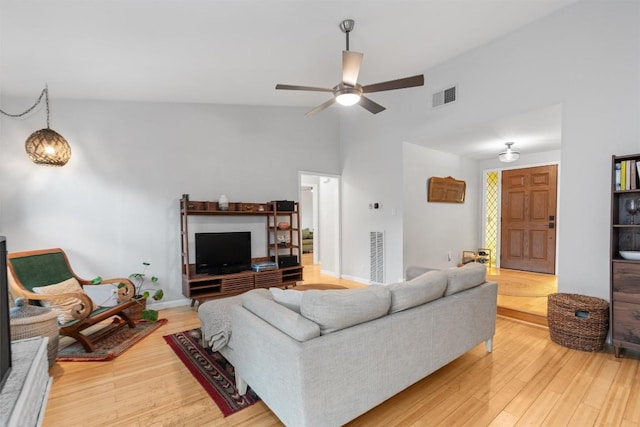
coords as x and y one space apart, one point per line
45 267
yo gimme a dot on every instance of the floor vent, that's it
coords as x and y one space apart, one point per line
444 97
377 257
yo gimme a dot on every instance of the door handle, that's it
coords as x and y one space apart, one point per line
552 225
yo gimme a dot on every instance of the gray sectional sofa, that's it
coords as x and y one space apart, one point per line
322 358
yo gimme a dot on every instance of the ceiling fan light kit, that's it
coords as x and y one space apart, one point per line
347 95
510 155
349 91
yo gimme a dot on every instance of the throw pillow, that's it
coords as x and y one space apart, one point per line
424 288
63 305
339 309
287 297
463 278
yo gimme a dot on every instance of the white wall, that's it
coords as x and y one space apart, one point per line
306 209
372 172
454 225
328 232
115 204
585 56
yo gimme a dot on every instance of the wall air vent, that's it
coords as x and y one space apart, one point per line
444 97
377 257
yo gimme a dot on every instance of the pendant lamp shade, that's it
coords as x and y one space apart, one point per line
47 147
510 155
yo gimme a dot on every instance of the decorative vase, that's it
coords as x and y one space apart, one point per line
223 203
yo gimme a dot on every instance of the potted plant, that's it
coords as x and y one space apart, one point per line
142 293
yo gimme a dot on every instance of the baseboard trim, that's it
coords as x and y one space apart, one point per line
355 279
536 319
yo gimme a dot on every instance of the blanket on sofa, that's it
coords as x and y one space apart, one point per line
215 319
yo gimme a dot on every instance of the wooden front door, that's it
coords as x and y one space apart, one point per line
528 230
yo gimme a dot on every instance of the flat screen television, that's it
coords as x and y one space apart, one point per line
223 253
5 332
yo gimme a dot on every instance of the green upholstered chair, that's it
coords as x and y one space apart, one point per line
45 267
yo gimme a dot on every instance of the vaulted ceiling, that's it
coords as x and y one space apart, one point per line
234 52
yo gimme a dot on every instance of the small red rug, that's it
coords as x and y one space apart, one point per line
113 340
212 370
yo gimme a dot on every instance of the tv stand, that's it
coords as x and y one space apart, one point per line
200 287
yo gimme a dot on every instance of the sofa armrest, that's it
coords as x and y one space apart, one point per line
280 317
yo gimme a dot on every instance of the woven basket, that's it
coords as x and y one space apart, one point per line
28 321
578 321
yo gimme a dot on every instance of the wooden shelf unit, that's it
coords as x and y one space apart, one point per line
292 245
200 287
625 274
482 255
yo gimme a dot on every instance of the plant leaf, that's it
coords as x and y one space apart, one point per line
146 263
146 294
158 295
121 285
96 281
150 315
154 279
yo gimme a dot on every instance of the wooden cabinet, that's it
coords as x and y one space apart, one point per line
625 244
200 287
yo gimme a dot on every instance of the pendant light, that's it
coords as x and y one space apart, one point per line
510 155
45 146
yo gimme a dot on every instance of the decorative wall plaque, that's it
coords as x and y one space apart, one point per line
447 190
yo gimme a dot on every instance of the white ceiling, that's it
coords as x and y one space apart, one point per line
532 132
234 52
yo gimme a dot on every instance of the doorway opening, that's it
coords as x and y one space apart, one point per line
522 291
319 196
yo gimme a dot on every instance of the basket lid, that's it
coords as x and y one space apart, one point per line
23 310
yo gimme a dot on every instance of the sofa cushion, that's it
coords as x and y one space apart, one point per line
279 316
414 271
339 309
424 288
288 297
64 306
466 277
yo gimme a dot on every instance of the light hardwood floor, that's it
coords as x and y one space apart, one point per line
527 380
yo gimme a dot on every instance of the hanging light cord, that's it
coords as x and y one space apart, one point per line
45 93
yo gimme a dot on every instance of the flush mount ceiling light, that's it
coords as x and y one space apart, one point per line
45 146
510 155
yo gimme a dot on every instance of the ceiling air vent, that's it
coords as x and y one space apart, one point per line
444 97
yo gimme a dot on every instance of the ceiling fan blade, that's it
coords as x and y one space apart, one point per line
395 84
321 107
308 88
369 105
351 67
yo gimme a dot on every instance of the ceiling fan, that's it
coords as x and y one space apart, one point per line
349 91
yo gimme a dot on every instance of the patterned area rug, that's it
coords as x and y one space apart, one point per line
116 338
212 371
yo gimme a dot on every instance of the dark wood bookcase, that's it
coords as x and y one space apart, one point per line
625 272
200 287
